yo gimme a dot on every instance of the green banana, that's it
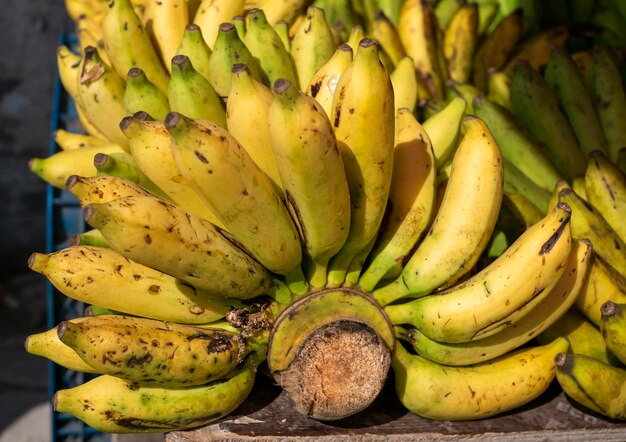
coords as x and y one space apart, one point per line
196 49
122 165
142 95
312 175
613 328
445 11
364 129
282 30
517 182
191 94
469 210
91 237
238 192
477 391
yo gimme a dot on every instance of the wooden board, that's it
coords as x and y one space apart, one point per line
267 415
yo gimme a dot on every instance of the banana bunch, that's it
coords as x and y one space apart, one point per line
334 189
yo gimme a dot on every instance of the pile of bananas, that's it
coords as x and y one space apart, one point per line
336 189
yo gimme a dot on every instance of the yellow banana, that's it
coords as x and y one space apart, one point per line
160 353
386 34
407 88
546 313
459 43
469 211
444 130
67 67
179 244
122 165
239 193
165 22
475 308
212 13
536 50
128 44
286 10
411 201
142 95
499 88
613 328
67 140
477 391
312 175
150 143
364 126
102 189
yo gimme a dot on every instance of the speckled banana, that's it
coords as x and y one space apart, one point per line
212 13
605 189
364 126
180 244
592 383
102 188
411 201
122 165
119 406
546 313
150 143
128 44
247 110
140 94
67 67
477 391
312 45
68 140
162 353
58 167
324 82
165 22
238 192
266 46
417 29
613 328
444 130
524 273
104 277
459 43
196 49
536 50
101 94
192 95
469 211
312 175
48 345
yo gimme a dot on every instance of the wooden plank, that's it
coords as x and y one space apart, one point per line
267 415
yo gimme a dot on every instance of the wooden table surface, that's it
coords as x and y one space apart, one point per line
267 415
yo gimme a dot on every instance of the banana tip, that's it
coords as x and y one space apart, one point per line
71 181
561 359
608 309
61 329
171 119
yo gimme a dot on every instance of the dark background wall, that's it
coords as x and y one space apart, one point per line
29 31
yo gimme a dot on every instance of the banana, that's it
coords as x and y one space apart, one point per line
240 193
324 82
212 13
228 51
196 49
282 30
517 146
592 383
192 95
516 182
445 10
160 353
150 143
609 98
459 43
48 345
568 85
312 175
179 244
469 208
620 161
466 91
265 45
587 222
444 129
102 189
536 50
142 95
122 164
239 21
391 9
386 34
286 10
538 109
411 201
613 328
128 44
604 284
477 391
487 12
356 35
417 30
97 275
114 405
407 88
312 45
496 47
67 140
475 308
247 110
583 336
546 313
364 126
499 88
91 237
165 23
67 67
605 189
58 167
101 95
